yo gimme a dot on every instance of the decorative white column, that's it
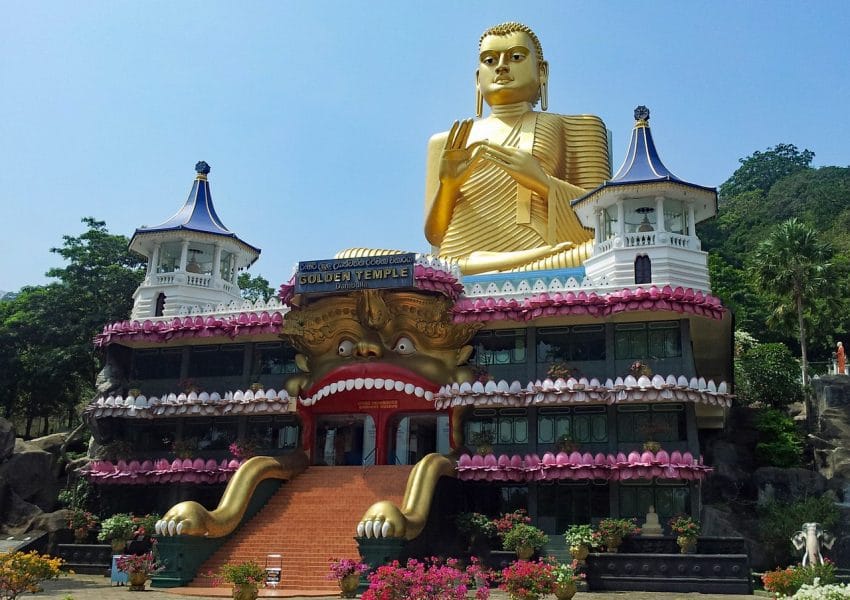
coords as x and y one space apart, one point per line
154 260
600 225
184 255
659 211
692 228
216 270
621 218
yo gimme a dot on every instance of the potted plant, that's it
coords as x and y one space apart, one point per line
82 522
477 528
559 370
525 540
612 532
527 580
566 580
347 572
686 530
117 529
139 568
243 450
483 441
185 448
246 578
640 369
580 539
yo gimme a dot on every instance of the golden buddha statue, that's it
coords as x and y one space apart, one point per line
498 189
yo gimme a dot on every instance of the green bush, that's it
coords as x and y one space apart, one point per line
779 521
783 445
119 526
769 374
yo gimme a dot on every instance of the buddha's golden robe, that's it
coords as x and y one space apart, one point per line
496 214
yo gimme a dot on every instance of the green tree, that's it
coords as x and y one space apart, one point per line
49 329
254 288
794 265
768 374
763 169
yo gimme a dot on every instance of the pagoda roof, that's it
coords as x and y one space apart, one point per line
643 164
197 214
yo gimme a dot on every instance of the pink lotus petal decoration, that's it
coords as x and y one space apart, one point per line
160 471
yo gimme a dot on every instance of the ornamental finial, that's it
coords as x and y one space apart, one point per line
642 114
202 168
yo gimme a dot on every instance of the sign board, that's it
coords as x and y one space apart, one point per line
344 274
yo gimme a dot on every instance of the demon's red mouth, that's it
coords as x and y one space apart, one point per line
383 380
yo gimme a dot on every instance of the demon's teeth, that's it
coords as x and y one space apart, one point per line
429 395
379 383
332 388
349 385
408 389
389 384
399 386
419 392
368 383
358 383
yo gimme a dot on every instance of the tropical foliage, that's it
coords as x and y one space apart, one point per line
23 572
778 521
426 580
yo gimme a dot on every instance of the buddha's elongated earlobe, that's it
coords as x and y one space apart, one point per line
479 98
544 85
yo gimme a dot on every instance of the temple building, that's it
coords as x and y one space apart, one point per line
558 350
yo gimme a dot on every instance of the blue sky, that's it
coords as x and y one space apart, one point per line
315 115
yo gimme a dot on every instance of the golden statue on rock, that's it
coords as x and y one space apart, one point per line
498 189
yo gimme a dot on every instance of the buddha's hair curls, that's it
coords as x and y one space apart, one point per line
511 27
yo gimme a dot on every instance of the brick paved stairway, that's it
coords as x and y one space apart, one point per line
310 519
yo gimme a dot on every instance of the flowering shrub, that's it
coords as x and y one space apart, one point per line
473 524
82 519
247 572
580 535
343 567
785 582
524 536
428 580
22 572
510 520
243 450
528 580
559 370
638 369
610 528
138 563
146 526
684 526
119 526
780 582
816 591
566 574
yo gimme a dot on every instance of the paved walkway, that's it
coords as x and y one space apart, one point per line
92 587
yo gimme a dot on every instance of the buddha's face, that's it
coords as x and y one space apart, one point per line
508 70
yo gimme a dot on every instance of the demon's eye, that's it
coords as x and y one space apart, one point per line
345 348
404 345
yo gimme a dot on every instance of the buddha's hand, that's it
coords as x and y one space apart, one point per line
520 165
458 160
383 520
186 518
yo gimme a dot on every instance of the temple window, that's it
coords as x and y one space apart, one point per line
669 498
274 358
412 437
156 363
216 361
562 504
273 432
159 308
153 437
200 259
570 344
502 353
169 257
211 434
226 266
675 217
583 424
657 339
508 425
643 269
637 423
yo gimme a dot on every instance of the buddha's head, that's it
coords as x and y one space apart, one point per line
511 67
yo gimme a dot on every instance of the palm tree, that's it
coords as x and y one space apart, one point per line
793 264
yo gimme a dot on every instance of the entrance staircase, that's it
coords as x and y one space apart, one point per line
309 520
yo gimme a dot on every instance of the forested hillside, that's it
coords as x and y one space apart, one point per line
767 190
